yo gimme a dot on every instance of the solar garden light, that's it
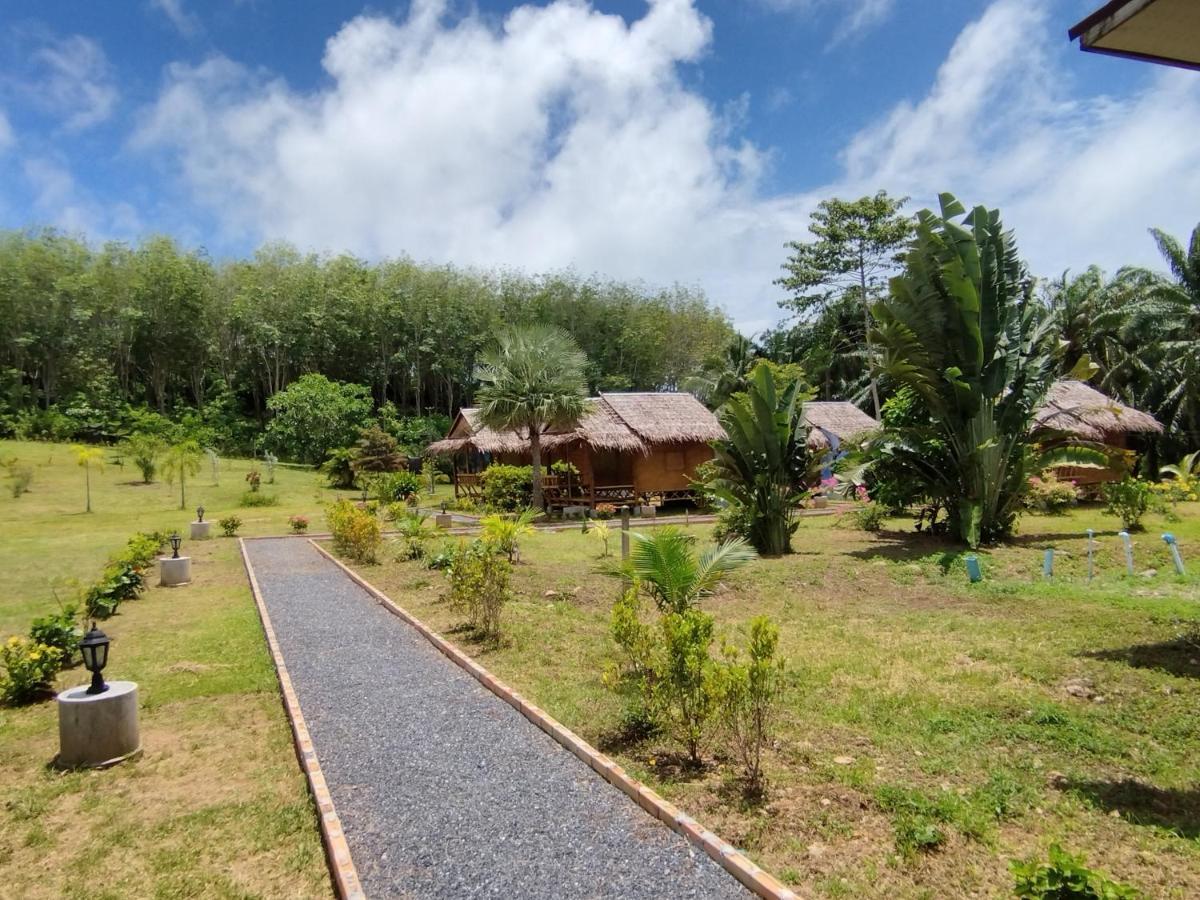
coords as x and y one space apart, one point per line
97 723
973 570
1091 547
94 649
200 528
175 569
1128 541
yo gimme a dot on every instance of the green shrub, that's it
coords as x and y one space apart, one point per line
59 630
124 578
750 696
916 819
867 516
733 523
442 559
396 487
687 684
1050 496
338 468
631 633
413 530
505 532
252 498
230 525
28 668
479 577
1128 499
1065 877
19 477
356 532
145 450
507 488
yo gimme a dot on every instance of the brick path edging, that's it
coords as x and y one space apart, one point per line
724 854
337 851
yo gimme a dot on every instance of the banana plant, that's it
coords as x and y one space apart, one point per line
763 465
960 327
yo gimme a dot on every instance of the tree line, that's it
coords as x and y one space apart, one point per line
88 333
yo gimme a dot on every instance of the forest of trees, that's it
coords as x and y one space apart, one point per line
93 338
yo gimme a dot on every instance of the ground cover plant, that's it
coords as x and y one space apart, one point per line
929 732
216 806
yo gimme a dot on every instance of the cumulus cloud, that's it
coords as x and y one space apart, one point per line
71 77
561 136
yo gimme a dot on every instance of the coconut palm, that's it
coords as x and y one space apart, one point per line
960 328
668 567
724 375
180 461
86 457
533 382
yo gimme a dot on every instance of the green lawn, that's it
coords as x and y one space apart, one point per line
1000 717
217 806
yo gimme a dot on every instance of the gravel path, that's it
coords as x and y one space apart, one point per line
443 789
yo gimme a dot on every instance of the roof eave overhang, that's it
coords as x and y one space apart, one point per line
1106 24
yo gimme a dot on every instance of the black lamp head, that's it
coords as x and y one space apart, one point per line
94 650
199 513
176 540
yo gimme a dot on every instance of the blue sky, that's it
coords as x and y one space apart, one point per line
671 141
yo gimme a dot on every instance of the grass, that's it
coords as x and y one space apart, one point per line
931 730
217 806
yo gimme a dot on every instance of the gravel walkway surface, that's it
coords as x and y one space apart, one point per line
443 789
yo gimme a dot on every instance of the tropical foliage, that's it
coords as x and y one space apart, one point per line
961 329
532 382
676 578
762 467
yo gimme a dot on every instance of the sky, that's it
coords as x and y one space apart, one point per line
669 141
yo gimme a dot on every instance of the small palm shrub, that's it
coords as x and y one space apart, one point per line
506 488
674 576
1128 500
27 669
602 533
505 532
230 525
356 532
479 579
299 524
1065 877
413 530
396 487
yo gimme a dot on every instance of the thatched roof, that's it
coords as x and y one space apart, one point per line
623 422
843 420
1085 412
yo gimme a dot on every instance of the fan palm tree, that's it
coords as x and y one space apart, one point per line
533 382
960 328
675 576
181 460
86 457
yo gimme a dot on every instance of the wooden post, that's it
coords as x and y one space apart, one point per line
624 533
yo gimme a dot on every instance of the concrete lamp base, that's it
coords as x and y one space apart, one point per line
443 520
201 531
98 730
174 571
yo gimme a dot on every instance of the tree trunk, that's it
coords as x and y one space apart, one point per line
862 280
535 453
87 481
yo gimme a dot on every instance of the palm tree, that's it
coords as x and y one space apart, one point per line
533 382
724 375
960 329
180 461
669 569
85 457
1170 311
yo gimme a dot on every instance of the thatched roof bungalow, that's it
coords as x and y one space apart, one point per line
628 447
844 421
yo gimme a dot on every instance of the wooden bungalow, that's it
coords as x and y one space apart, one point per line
1079 410
835 421
629 448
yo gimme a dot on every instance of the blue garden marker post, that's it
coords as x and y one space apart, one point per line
1091 554
1128 551
1174 547
973 571
1048 563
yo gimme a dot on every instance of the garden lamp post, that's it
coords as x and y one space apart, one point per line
94 649
176 540
199 513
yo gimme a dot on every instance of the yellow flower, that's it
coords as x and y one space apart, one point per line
1191 496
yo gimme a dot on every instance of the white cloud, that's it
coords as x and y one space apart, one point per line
564 137
7 138
855 16
186 23
60 201
71 78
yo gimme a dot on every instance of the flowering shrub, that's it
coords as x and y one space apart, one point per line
605 510
1050 496
28 668
356 532
299 524
58 630
1181 489
230 525
254 479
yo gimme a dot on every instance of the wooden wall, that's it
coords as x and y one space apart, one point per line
669 467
